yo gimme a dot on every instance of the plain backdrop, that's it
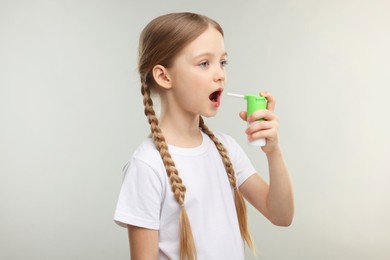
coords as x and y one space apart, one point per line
71 115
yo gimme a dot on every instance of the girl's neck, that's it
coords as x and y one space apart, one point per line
181 132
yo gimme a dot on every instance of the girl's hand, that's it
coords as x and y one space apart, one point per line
264 129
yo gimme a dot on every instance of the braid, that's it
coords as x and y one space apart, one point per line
187 244
238 199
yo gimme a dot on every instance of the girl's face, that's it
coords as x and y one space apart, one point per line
198 75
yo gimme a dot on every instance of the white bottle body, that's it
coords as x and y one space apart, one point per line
257 142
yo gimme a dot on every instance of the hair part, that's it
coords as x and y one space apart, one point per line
160 42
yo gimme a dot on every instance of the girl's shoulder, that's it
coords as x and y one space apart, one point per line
146 153
233 148
225 139
147 147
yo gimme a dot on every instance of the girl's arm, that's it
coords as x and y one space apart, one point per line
274 200
143 243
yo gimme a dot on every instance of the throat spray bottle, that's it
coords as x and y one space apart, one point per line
253 104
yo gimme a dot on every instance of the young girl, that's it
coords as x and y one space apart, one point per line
183 189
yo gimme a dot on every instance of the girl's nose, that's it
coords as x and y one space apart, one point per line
220 74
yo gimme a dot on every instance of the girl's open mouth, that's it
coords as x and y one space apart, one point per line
215 98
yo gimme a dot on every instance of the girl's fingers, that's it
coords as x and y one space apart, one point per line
265 114
261 126
243 115
269 134
270 100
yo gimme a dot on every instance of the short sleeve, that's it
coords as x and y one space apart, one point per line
140 196
243 167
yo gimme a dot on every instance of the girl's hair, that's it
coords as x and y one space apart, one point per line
160 41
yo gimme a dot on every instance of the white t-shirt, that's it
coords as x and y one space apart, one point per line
146 199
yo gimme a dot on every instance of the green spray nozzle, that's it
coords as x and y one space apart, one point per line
254 103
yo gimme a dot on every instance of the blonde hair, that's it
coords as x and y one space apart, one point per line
160 41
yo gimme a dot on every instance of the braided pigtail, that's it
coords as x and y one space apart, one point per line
187 243
238 199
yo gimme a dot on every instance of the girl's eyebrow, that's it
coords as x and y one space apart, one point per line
209 54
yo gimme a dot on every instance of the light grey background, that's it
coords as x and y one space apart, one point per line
71 114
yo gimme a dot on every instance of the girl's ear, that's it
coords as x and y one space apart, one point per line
162 76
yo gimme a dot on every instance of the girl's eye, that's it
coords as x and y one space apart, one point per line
223 63
204 64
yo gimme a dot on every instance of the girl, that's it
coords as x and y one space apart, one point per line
183 189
